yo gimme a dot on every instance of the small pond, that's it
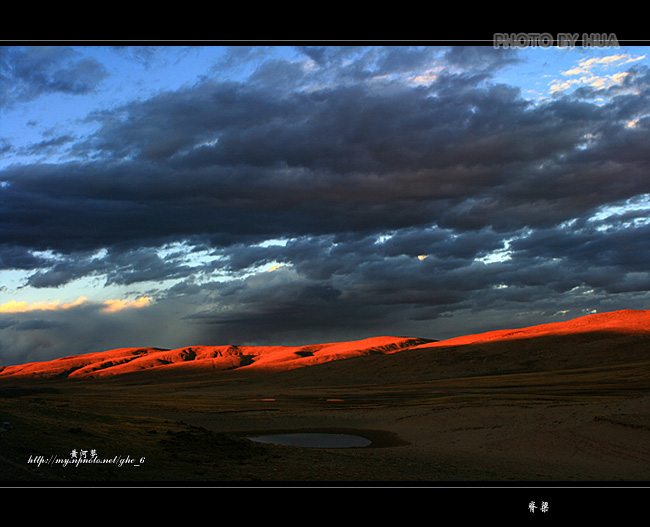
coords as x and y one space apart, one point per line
314 440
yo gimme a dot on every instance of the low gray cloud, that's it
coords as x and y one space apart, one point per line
227 161
26 73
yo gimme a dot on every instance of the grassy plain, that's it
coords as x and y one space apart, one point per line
569 408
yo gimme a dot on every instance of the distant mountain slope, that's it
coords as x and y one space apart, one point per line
204 358
281 358
627 321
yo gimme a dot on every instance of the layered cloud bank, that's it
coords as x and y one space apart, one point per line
277 195
111 305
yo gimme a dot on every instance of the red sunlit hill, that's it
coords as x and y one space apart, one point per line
280 358
203 358
628 321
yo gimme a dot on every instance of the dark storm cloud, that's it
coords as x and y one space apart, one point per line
359 175
600 257
118 266
376 286
282 306
148 56
5 146
481 57
226 160
15 257
29 72
45 335
49 144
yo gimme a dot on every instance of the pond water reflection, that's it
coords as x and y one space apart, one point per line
314 440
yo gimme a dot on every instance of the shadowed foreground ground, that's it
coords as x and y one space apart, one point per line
554 408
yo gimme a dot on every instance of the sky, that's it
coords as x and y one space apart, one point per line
168 195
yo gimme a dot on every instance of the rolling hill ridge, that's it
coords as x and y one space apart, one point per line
204 358
122 361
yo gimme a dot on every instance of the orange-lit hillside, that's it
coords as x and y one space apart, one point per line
625 321
204 358
279 358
